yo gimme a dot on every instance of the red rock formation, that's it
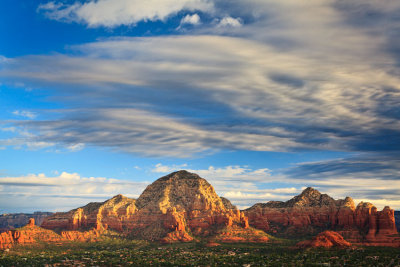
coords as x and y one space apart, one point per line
325 239
176 207
311 212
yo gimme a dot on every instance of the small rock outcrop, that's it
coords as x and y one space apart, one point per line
326 239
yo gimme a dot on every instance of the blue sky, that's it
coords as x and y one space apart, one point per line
262 98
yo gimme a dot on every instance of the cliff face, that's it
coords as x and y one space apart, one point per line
16 220
312 212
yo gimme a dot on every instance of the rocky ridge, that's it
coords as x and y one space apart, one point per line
312 212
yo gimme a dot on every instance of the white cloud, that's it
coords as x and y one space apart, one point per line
191 19
25 113
61 192
112 13
230 22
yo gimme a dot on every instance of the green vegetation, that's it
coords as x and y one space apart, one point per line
123 252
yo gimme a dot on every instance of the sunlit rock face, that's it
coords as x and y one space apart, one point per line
312 212
326 239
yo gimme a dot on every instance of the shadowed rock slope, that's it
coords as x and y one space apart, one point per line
312 212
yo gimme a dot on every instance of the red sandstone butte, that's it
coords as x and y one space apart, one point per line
326 239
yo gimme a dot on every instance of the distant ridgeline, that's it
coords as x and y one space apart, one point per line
15 220
397 217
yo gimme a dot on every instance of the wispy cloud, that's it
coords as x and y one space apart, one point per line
146 133
258 98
